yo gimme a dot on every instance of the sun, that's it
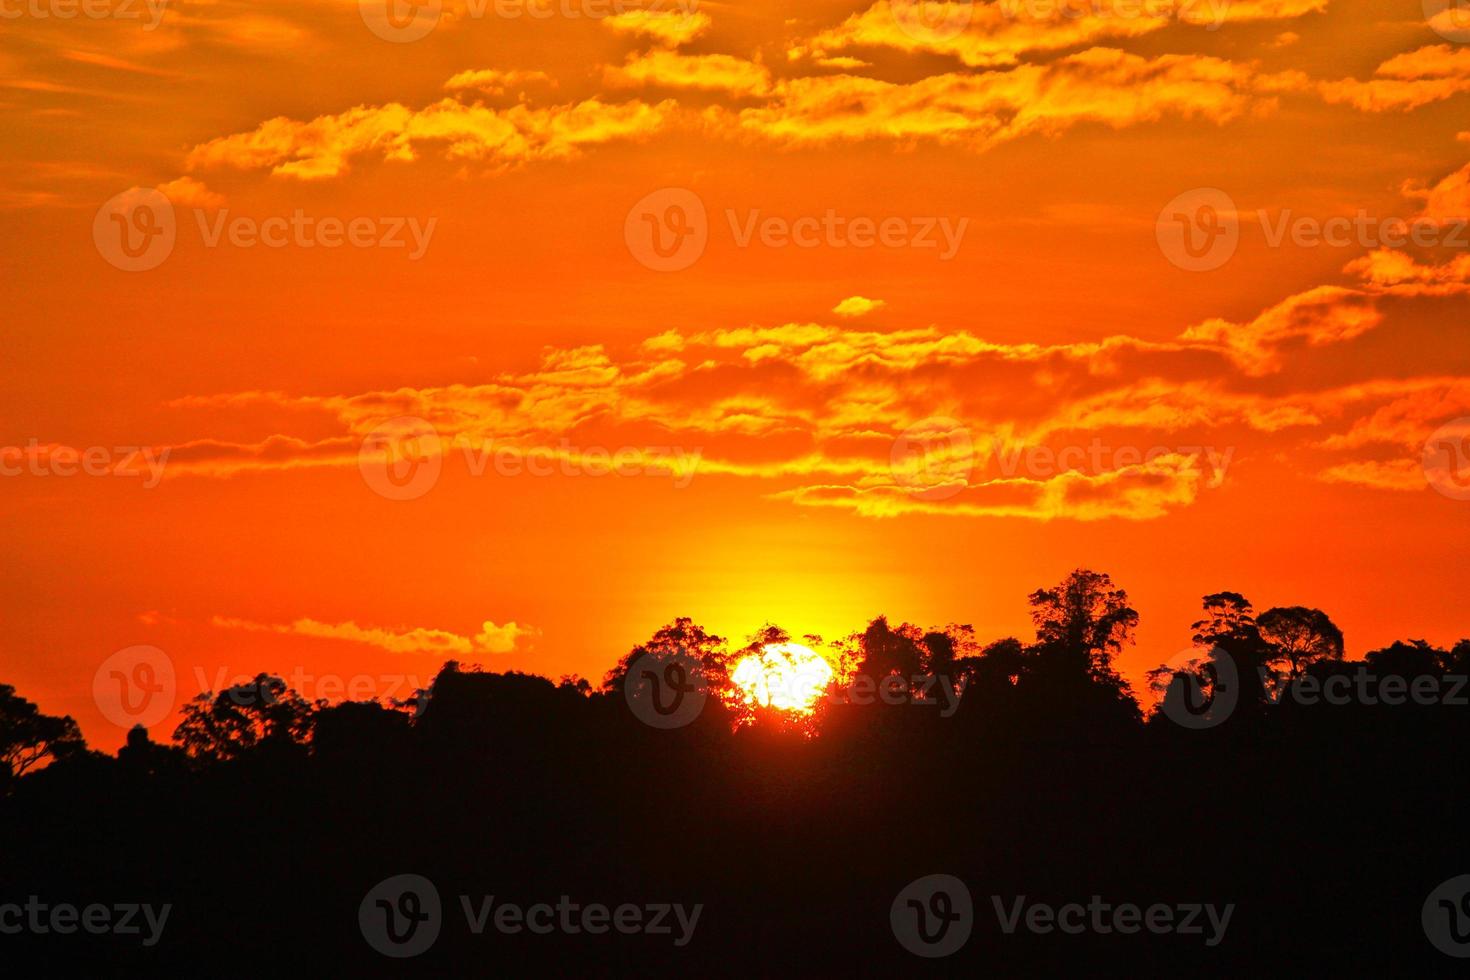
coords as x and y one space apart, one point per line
786 676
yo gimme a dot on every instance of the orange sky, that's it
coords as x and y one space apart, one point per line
526 317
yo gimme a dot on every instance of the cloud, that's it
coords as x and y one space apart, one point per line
1144 491
1100 85
1406 81
490 639
1395 474
855 306
502 639
189 193
325 146
1324 315
997 34
845 415
1447 201
1397 274
671 27
493 81
713 72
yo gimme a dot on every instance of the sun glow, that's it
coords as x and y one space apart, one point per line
787 676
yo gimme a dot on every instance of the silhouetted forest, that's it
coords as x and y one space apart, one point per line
1322 798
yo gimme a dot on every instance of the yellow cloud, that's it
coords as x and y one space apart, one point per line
324 146
671 27
857 306
490 639
1406 81
713 72
1099 85
493 81
994 34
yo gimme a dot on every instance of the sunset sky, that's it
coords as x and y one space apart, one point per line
1047 296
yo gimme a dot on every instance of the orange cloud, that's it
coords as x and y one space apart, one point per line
713 72
671 27
325 146
490 639
986 35
1325 315
1099 85
493 81
1406 81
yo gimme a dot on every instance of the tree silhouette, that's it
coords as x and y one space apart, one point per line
680 639
1042 781
886 650
1299 636
29 739
258 714
1085 620
1229 629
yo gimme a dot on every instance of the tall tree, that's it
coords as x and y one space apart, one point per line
1085 620
260 713
29 739
681 638
1299 636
